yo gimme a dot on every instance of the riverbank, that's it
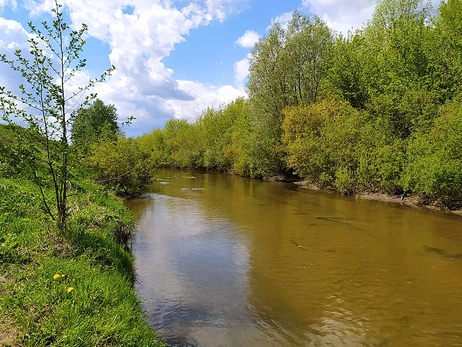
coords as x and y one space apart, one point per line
407 200
72 288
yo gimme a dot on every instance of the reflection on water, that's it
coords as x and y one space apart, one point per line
228 261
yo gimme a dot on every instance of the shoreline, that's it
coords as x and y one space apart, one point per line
411 200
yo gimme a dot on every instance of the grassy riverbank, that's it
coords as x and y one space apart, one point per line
71 288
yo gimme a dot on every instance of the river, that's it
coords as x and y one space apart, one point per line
229 261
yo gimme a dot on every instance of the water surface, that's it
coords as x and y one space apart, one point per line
230 261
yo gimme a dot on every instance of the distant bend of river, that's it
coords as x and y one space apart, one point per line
229 261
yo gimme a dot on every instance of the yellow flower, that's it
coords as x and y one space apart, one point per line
70 289
57 277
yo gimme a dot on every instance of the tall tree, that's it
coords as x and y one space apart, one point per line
287 68
268 92
346 73
308 48
395 61
267 84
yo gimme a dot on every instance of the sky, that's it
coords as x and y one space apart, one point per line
173 58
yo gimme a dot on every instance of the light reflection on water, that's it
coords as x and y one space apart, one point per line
218 265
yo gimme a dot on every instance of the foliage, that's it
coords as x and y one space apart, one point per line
352 113
44 104
102 308
214 141
435 158
287 68
322 141
396 59
94 123
445 49
13 154
347 73
381 156
121 165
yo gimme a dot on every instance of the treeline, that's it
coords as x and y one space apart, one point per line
377 110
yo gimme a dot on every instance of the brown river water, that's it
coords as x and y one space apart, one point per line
229 261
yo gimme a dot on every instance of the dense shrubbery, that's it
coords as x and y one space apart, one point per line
121 165
377 110
322 142
435 158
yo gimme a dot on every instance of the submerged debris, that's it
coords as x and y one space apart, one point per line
299 246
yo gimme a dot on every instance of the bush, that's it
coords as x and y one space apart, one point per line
435 158
121 165
381 158
321 142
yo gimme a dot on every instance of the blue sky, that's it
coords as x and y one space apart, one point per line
216 66
172 58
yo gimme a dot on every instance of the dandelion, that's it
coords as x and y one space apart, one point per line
70 289
57 277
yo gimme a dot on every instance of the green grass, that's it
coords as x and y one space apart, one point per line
102 309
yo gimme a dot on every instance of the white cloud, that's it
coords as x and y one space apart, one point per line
204 96
14 36
221 8
10 3
342 15
249 39
142 85
283 20
241 70
345 15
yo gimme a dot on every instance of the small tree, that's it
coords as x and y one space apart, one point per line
45 103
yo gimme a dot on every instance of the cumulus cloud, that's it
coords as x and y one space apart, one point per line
345 15
10 3
283 20
241 70
14 37
342 15
249 39
204 96
139 40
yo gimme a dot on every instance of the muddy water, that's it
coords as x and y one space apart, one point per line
229 261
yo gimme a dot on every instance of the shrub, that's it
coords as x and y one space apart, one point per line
435 158
121 165
321 141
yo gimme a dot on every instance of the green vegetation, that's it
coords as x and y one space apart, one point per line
66 274
93 124
70 286
121 165
44 104
38 308
379 110
376 111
